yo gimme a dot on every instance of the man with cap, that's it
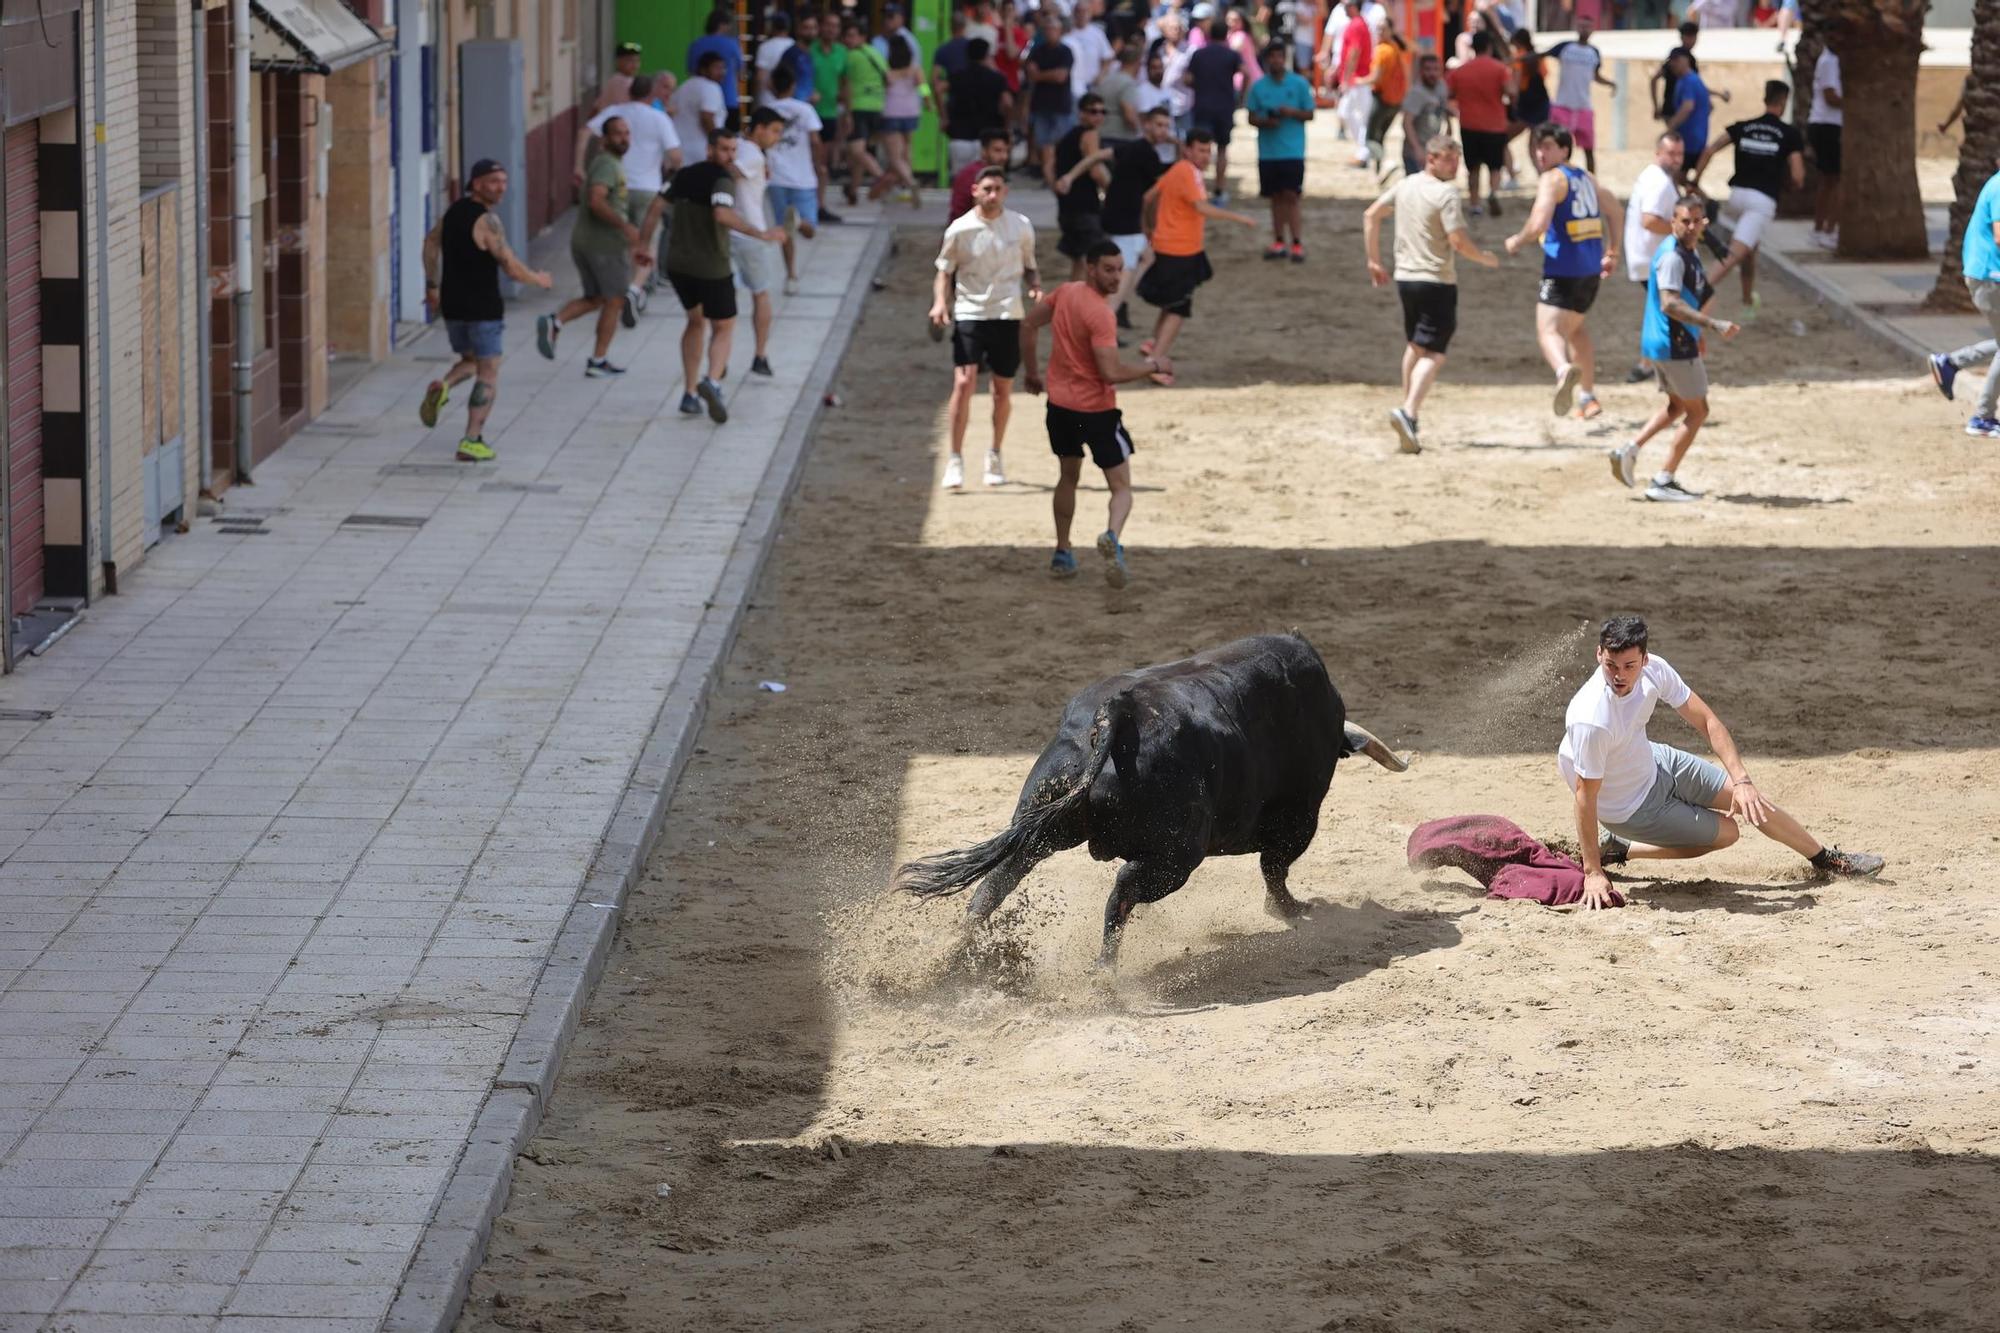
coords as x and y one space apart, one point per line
464 255
604 244
624 68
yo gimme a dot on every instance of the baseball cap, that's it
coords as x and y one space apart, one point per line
627 49
485 166
1204 10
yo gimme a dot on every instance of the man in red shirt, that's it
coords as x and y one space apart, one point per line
1348 66
1084 370
1481 90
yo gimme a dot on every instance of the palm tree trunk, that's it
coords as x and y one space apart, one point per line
1977 156
1882 209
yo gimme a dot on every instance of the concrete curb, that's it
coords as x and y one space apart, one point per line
435 1284
1802 279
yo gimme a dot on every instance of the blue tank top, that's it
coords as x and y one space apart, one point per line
1574 244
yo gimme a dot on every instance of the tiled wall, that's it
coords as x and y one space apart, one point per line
358 205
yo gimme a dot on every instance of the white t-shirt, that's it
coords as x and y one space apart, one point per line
1654 192
1093 52
1604 736
881 45
756 174
988 260
1576 66
769 52
1826 74
1376 15
653 136
791 158
693 97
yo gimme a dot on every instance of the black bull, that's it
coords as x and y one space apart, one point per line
1224 753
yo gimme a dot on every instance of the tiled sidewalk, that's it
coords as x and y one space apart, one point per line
1882 299
314 796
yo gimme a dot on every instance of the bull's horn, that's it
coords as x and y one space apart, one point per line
1360 741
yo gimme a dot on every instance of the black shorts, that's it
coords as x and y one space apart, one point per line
1824 140
1104 432
1485 148
1577 294
1430 314
1170 282
1286 175
1080 231
1216 124
867 124
993 343
715 296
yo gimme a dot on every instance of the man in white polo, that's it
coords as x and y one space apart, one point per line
1656 802
1649 220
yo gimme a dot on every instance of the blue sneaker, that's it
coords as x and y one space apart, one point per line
1943 372
1985 428
1114 554
1062 565
690 405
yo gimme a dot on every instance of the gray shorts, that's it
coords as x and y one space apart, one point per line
602 275
1675 812
1685 380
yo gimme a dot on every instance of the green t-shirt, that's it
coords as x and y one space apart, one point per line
867 78
828 68
592 235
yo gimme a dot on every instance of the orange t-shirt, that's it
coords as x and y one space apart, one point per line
1479 86
1179 229
1392 75
1081 322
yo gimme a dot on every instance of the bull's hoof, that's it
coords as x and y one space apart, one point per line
1287 910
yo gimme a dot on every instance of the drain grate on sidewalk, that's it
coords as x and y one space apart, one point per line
383 521
424 470
523 487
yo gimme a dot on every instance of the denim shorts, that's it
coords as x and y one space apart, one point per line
1051 126
1675 812
475 337
784 199
901 124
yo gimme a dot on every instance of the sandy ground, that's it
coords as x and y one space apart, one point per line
1745 1101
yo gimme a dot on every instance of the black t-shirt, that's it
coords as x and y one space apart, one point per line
1051 99
974 103
1764 147
1213 71
1134 171
1082 197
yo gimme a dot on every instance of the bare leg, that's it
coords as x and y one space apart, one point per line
1064 502
691 339
1552 336
462 370
1750 277
1003 409
964 382
1663 416
1421 376
607 324
1119 479
1726 834
1696 413
485 389
760 320
718 348
1738 252
1139 882
1165 331
1780 827
1583 353
575 309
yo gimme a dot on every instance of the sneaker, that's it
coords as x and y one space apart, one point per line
435 397
1833 862
474 451
1943 373
711 393
1984 428
1715 246
791 286
1493 205
1613 851
1751 308
830 217
1278 250
1826 240
1639 374
594 369
546 330
1298 252
628 313
642 296
1671 491
995 474
760 366
1406 431
954 473
1220 199
1115 572
1566 389
1474 210
1062 565
690 405
1625 465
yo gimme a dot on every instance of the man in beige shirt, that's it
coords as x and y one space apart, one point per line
988 257
1430 232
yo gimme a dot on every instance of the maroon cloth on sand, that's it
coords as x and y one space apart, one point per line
1502 857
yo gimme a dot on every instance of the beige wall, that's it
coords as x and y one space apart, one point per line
167 131
358 241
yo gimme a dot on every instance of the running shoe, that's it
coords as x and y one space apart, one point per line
1984 428
1943 373
546 330
594 369
1062 565
760 366
1625 466
1278 250
1826 240
995 474
1406 431
628 313
954 473
1639 374
435 397
474 451
1613 851
690 405
1751 308
1298 252
1566 389
791 286
1220 199
1587 406
1847 865
1493 205
827 215
1115 572
711 393
1474 210
1671 492
644 295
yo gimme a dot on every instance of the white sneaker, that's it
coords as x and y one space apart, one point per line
791 286
1671 492
954 473
995 474
1566 384
1625 465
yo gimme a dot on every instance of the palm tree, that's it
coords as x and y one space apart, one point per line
1878 42
1978 155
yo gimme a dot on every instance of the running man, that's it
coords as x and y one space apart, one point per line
1649 220
1578 230
1430 231
1981 265
1677 299
1084 372
1279 105
759 263
1480 90
655 154
1180 211
1135 168
704 203
794 191
1657 803
463 259
605 246
1579 65
1769 153
987 256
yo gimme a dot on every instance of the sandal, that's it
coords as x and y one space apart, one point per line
1589 409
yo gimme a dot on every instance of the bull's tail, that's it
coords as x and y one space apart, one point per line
952 872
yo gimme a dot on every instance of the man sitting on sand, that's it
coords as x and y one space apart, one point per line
1656 802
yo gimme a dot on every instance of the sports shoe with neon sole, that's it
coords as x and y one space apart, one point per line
474 451
435 397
